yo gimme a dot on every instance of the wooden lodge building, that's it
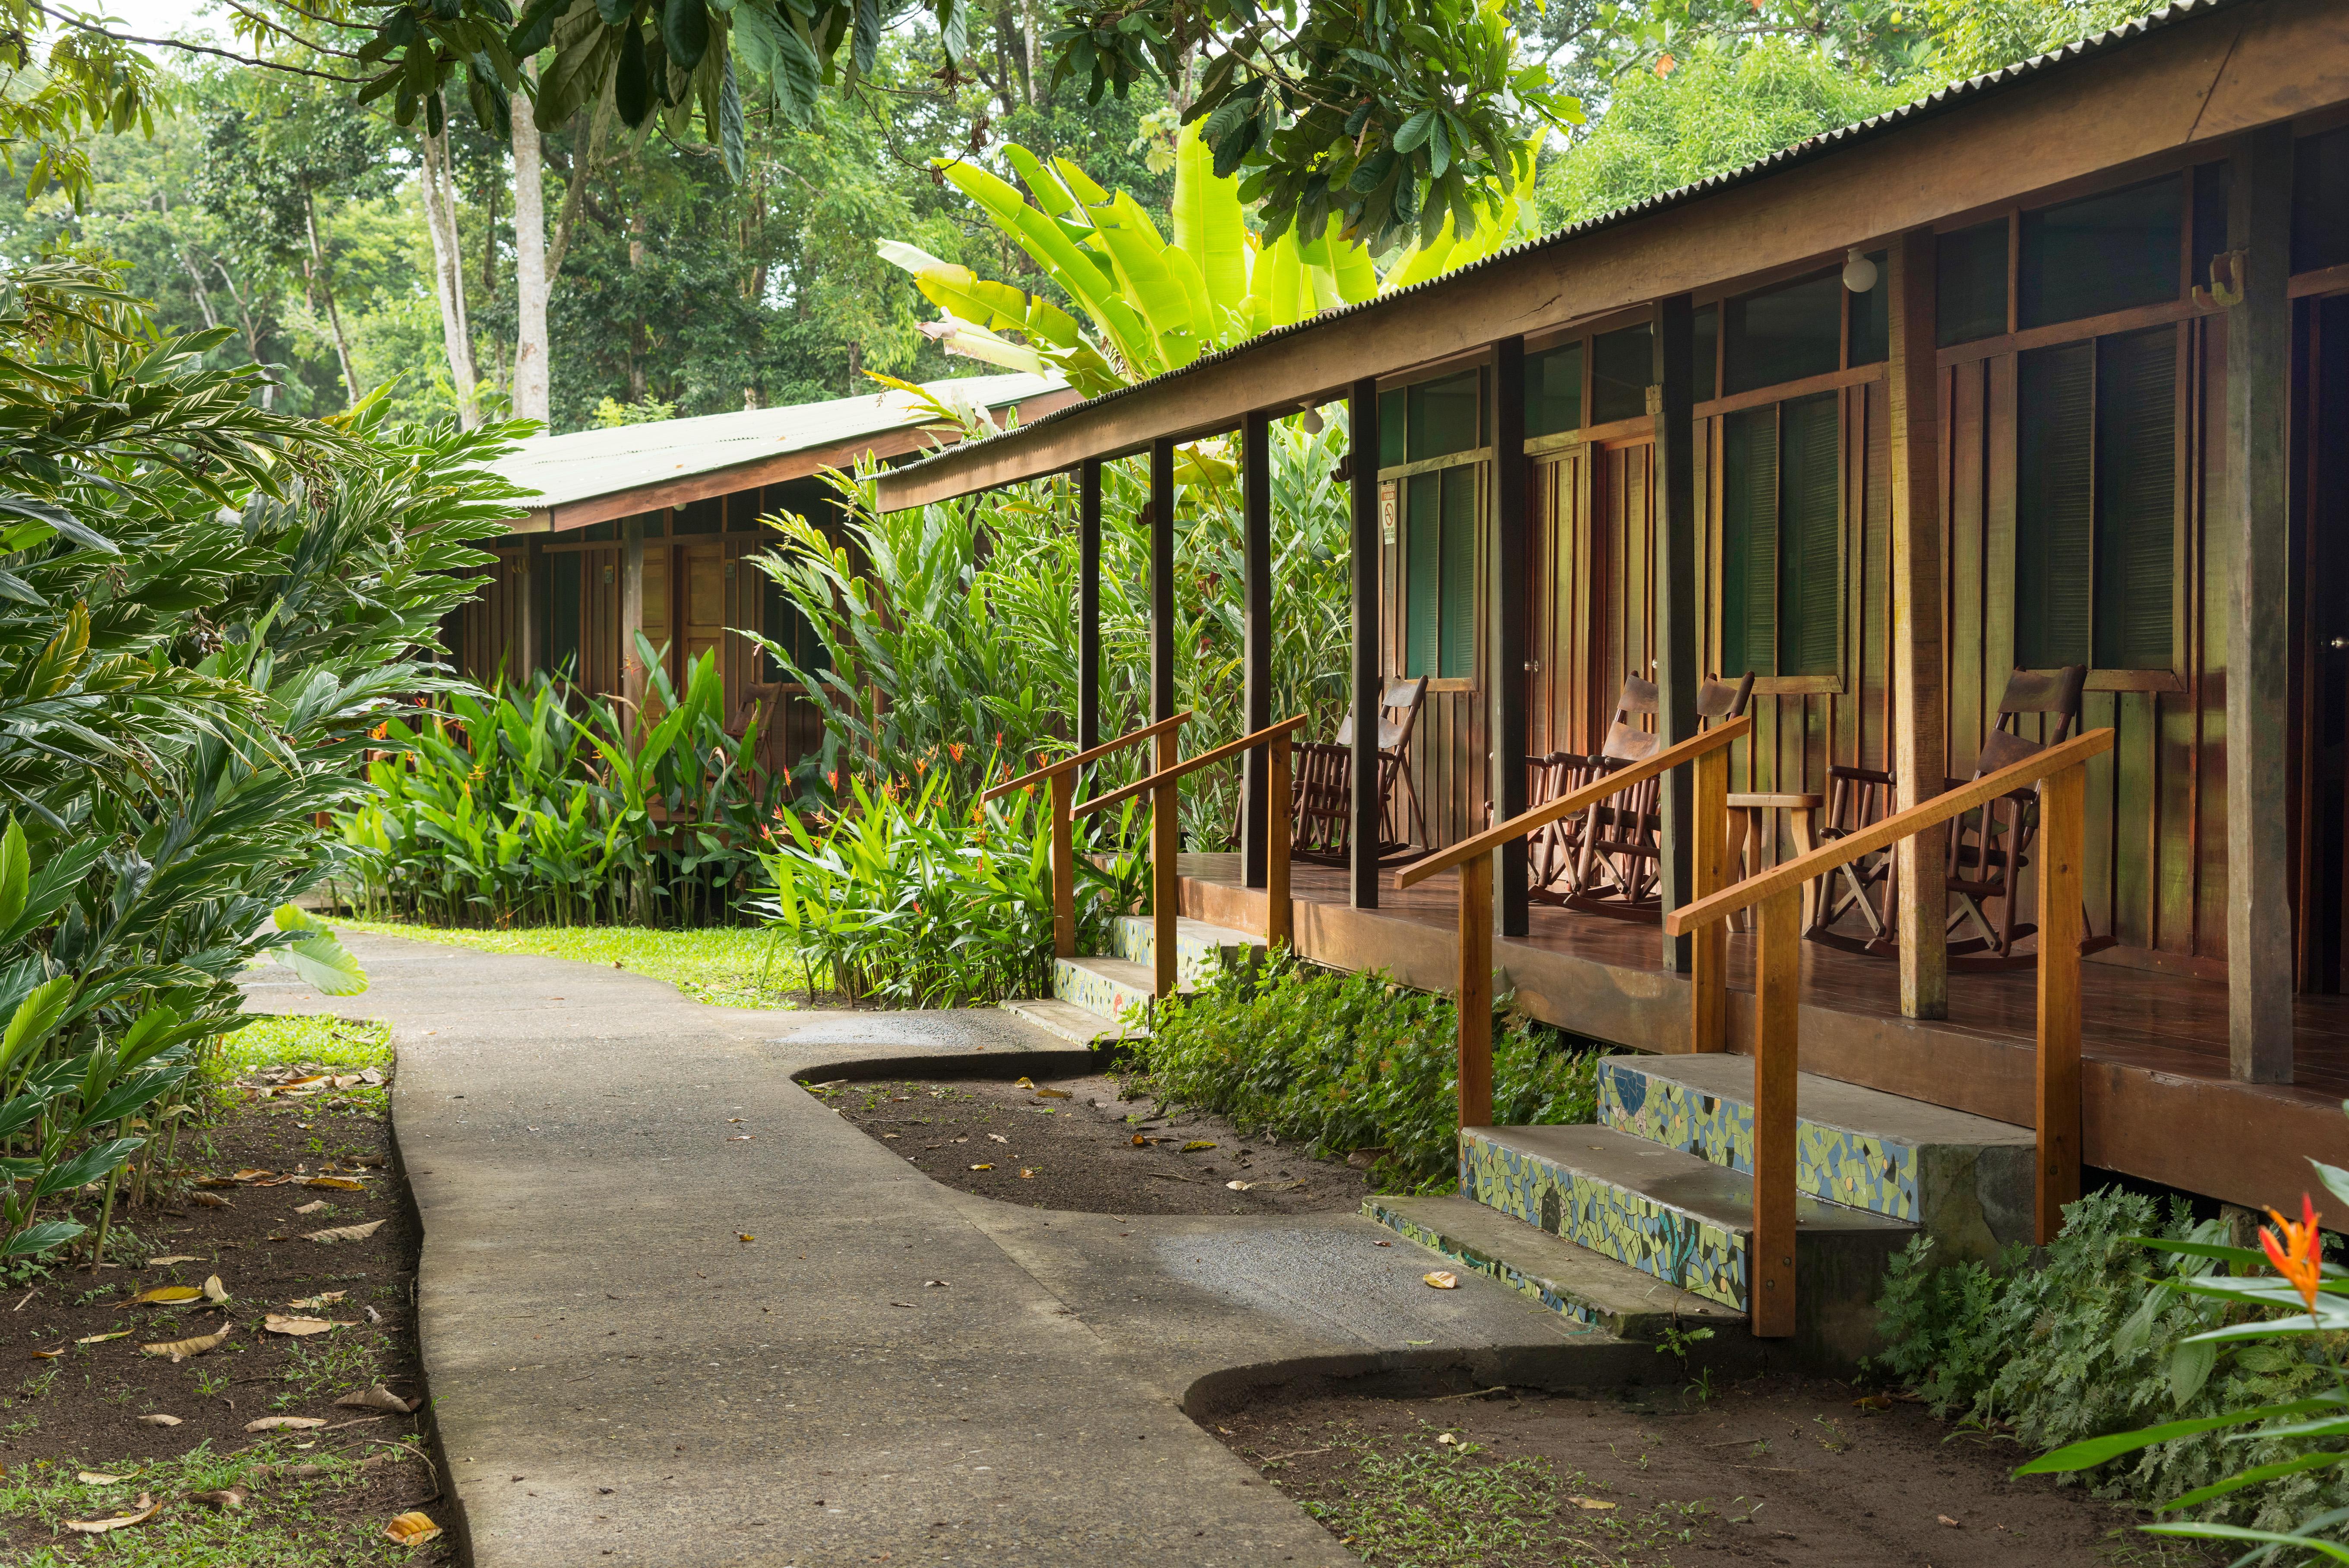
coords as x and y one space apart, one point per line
2046 372
645 529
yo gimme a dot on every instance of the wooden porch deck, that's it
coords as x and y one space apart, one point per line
2158 1103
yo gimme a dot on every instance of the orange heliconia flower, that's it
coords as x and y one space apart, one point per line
2295 1250
1664 64
954 749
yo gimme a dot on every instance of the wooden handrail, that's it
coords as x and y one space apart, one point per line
1868 840
1080 759
1168 774
1574 800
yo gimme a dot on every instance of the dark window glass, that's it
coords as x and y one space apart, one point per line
2054 504
1871 315
1969 283
2101 253
1553 390
1622 368
782 623
1444 415
2320 201
2137 497
1422 571
2210 181
1391 428
1708 353
1459 505
705 516
600 532
563 610
1810 526
1783 334
1749 545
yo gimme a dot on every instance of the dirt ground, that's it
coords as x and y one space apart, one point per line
1777 1471
80 1410
1074 1143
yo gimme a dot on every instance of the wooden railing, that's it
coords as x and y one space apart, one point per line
2060 772
1473 856
1063 777
1164 787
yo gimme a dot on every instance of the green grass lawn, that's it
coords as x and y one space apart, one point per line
727 967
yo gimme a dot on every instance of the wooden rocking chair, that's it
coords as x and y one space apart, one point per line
1619 867
1858 798
1553 850
1321 793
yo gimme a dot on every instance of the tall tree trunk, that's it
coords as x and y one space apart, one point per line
251 336
316 273
638 345
203 300
448 277
532 264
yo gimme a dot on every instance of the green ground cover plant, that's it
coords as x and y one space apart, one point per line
1352 1061
724 966
2106 1335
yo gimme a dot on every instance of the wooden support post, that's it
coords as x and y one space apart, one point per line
2063 845
2254 533
1088 494
1362 426
1280 915
633 681
1919 754
1165 843
1475 992
1709 948
1064 865
1508 593
1679 544
1257 637
1770 1255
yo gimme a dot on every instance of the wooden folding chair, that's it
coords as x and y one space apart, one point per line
1851 906
1553 850
1399 706
1321 790
1621 857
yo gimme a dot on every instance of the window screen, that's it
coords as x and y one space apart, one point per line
705 516
1622 367
2054 504
1784 333
1871 315
1442 415
1459 637
1969 283
2320 201
2210 183
1391 433
1553 390
786 626
1810 513
1749 545
1707 324
1440 573
2102 253
2137 497
563 610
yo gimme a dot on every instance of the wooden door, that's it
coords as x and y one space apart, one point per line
2323 830
704 599
1624 577
1561 642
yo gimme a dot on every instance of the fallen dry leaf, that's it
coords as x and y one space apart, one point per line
277 1322
1054 1093
1449 1440
167 1293
1026 1174
213 1290
181 1349
210 1200
1945 1519
1873 1402
982 1166
1597 1504
998 1138
102 1338
744 1236
317 1303
1140 1141
414 1529
227 1497
174 1258
47 1354
1196 1145
284 1423
148 1507
1024 1082
1239 1186
338 1183
376 1399
346 1233
1442 1279
159 1420
91 1478
252 1172
312 1207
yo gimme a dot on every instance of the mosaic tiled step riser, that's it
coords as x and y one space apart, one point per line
1134 937
1470 1257
1832 1164
1095 991
1654 1238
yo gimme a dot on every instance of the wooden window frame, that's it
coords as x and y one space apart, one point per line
1396 652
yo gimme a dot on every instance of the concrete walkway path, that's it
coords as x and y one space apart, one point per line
620 1377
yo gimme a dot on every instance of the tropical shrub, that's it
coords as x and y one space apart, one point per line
534 806
916 898
1349 1061
2106 1335
204 607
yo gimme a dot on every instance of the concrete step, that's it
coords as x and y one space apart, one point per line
1066 1020
1197 945
1684 1220
1105 987
1965 1179
1570 1280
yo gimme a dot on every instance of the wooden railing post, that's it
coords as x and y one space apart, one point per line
1475 992
1064 866
1165 841
1769 1256
1709 873
2063 838
1279 914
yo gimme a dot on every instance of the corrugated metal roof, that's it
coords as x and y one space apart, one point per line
586 464
1941 101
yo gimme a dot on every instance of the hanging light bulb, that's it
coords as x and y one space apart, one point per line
1858 272
1310 420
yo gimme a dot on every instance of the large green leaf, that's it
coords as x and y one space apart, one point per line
1209 223
317 956
2095 1452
